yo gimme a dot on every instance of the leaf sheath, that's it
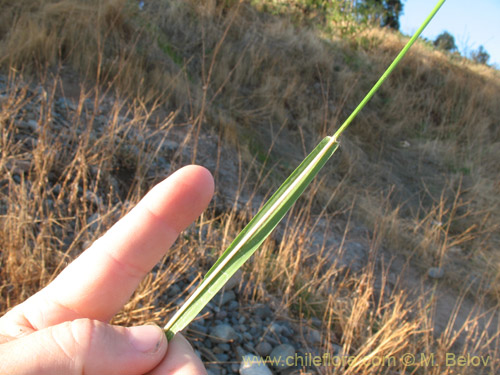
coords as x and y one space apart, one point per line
252 236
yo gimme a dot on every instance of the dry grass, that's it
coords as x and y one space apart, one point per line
416 178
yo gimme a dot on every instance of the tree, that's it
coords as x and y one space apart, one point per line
481 56
393 9
445 41
384 12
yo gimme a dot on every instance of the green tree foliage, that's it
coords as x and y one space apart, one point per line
445 41
384 12
375 12
481 56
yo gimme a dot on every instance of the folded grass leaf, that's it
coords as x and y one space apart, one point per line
252 236
259 228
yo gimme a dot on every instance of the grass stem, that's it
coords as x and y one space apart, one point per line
388 71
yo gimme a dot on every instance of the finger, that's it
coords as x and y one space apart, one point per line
85 347
99 282
180 359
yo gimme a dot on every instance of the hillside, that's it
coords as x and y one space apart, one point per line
100 100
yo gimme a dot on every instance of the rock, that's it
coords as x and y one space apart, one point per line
263 348
94 222
19 167
455 251
93 198
240 353
227 297
316 322
281 354
235 368
354 256
263 311
233 305
243 328
436 273
222 348
337 350
214 370
253 365
222 357
208 343
276 328
199 328
313 336
221 315
272 340
224 333
248 346
174 290
234 281
404 144
168 146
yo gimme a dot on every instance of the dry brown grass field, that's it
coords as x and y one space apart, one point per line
394 249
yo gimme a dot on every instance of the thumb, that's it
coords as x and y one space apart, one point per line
85 346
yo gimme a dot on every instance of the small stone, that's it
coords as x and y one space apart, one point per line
263 348
228 296
224 333
263 311
233 305
200 320
253 365
248 346
337 350
280 354
313 336
222 357
94 222
174 290
243 328
404 144
455 250
240 353
199 328
276 328
32 125
234 281
214 370
436 273
93 198
56 189
208 343
221 315
224 347
272 340
169 146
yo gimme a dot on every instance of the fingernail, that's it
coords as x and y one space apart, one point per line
146 339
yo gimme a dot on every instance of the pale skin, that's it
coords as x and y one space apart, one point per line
63 328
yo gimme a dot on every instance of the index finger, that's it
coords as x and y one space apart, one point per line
101 280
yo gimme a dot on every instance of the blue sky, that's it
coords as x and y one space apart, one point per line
472 23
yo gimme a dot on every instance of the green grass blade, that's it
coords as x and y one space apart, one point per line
252 236
388 71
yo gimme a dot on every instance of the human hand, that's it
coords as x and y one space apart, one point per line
62 329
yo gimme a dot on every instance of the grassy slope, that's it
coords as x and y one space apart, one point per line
420 162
